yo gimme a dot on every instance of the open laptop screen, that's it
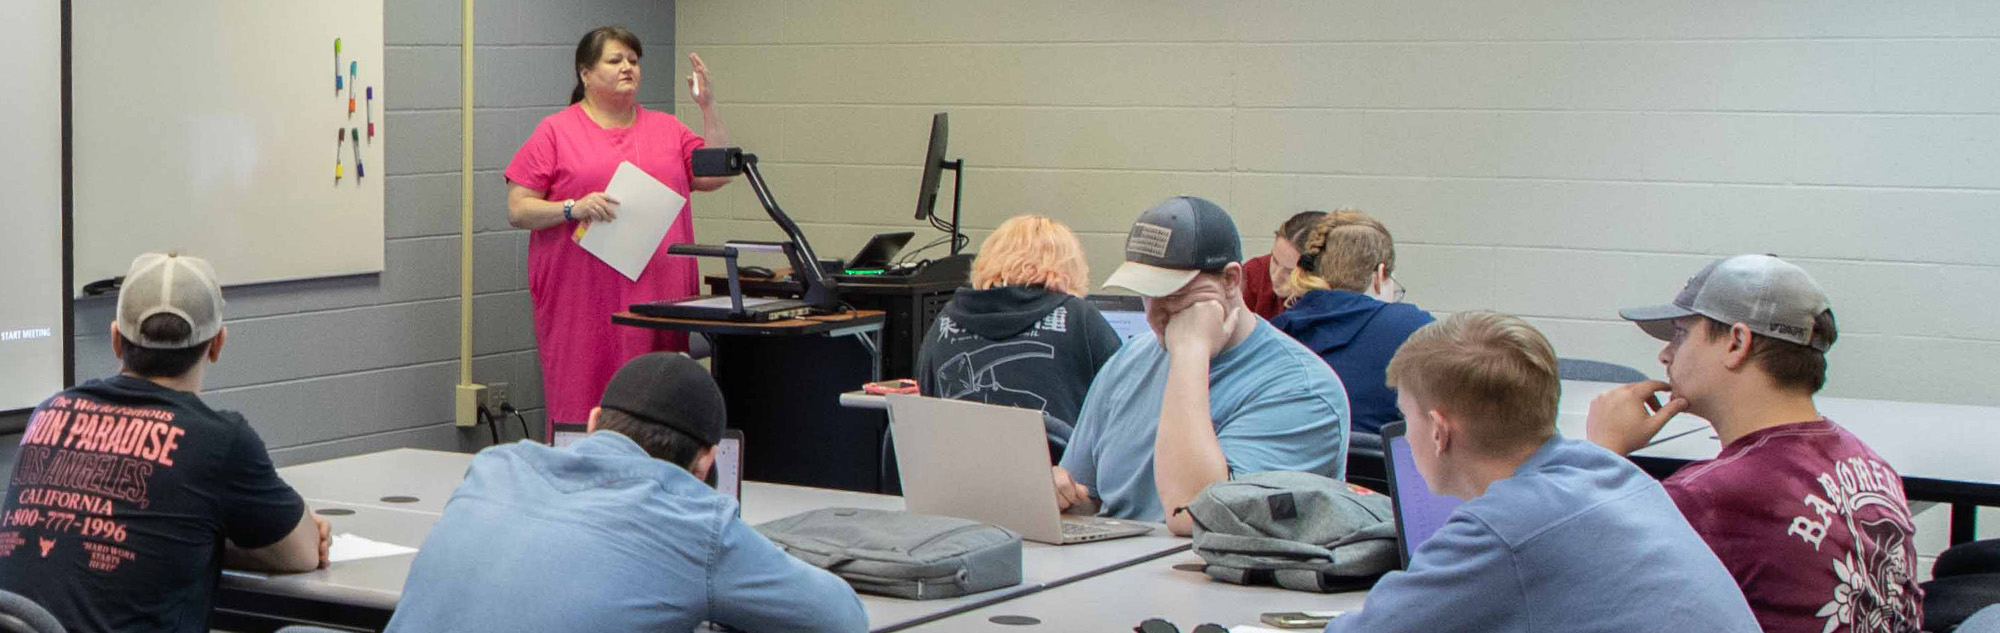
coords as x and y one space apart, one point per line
727 474
1126 313
1420 513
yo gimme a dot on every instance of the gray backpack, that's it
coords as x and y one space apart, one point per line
1295 530
916 556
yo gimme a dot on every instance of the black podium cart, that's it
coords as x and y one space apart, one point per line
781 382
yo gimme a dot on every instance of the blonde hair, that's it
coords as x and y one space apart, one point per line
1494 370
1032 250
1349 245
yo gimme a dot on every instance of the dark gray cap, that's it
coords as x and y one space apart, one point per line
1174 241
1770 295
670 389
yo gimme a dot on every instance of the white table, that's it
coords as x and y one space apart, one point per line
1120 600
1573 412
1944 452
375 583
418 483
863 400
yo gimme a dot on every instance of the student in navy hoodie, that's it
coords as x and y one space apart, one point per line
1022 335
1348 309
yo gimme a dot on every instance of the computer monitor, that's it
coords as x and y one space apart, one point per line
933 180
1126 313
927 189
1420 513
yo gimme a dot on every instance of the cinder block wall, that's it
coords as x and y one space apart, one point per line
1551 159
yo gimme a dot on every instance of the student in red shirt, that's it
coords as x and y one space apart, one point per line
1811 522
1265 274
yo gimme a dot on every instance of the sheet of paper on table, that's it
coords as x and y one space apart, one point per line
347 547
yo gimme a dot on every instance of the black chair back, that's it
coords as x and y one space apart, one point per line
18 614
1964 580
1596 370
1367 466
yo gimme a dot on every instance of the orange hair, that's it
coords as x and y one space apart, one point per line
1032 250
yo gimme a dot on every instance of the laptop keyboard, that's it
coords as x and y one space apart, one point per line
1080 528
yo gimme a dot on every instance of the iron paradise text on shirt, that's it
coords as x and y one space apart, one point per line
76 457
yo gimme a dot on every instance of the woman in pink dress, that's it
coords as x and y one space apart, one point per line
557 180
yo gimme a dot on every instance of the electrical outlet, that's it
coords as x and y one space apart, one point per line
496 395
466 400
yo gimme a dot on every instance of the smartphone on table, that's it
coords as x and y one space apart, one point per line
1300 619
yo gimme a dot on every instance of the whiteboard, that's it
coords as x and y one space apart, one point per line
32 323
207 127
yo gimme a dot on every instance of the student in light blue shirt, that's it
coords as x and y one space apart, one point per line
616 532
1213 392
1555 534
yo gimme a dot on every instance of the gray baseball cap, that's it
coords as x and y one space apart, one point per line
1772 296
1174 241
163 283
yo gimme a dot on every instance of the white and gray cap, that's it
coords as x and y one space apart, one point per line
164 283
1174 241
1772 296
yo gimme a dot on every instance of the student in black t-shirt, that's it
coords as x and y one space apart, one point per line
129 494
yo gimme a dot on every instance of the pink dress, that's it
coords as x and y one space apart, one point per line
569 156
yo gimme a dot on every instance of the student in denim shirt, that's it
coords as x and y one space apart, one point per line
616 532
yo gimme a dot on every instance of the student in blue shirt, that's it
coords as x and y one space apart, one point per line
1213 392
616 532
1555 534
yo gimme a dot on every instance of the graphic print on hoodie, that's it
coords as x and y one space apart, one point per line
1017 346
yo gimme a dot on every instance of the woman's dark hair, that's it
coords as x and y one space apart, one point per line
1295 227
591 49
658 440
154 362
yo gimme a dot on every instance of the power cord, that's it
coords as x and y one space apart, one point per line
911 255
486 418
507 409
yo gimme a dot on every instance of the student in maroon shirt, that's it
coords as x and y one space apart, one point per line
1811 522
1264 276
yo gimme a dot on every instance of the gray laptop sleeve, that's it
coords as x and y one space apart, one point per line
1295 530
915 556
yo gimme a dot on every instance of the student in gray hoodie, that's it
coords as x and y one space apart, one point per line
1555 535
1022 335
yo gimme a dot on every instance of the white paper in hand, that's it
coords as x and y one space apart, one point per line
646 208
348 547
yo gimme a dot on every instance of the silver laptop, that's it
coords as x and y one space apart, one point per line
990 464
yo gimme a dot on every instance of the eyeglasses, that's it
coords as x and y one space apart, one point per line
1396 296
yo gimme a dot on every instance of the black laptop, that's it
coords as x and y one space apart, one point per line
879 252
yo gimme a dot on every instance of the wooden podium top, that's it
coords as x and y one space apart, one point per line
853 320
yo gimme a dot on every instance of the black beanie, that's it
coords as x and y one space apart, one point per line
671 389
